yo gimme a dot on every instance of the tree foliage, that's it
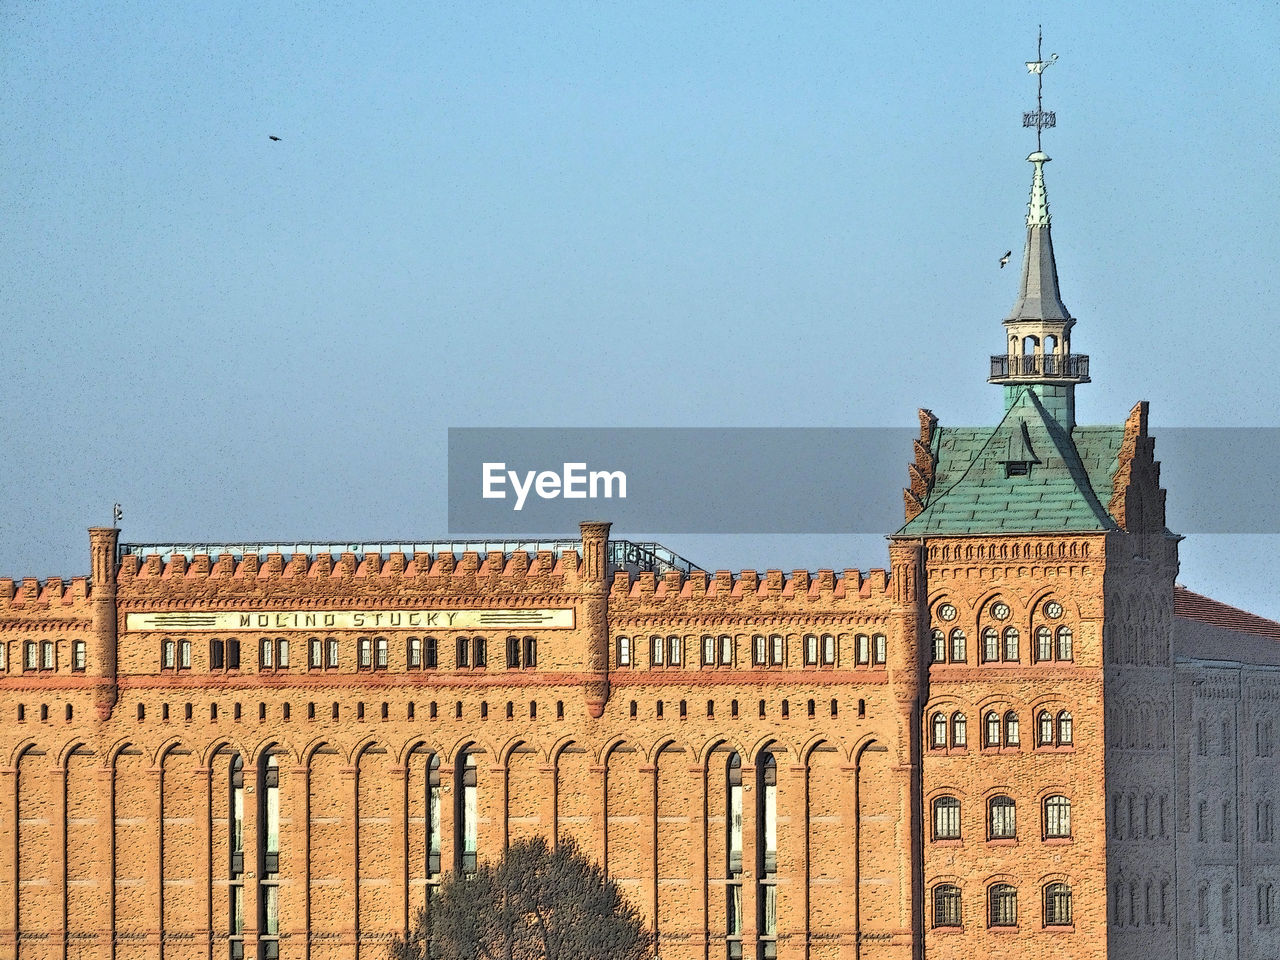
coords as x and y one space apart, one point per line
536 903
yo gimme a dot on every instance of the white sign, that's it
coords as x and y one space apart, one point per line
189 620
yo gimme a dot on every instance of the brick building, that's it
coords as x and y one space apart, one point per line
1018 739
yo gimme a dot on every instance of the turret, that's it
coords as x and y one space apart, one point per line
101 662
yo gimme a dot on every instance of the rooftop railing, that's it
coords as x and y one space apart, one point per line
1071 366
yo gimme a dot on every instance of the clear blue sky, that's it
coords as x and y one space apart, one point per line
587 214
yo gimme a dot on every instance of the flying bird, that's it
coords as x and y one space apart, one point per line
1005 258
277 139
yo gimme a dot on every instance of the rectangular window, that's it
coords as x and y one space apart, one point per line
864 649
463 656
429 652
656 646
46 655
315 653
184 655
268 653
167 655
331 654
759 650
30 656
233 654
380 652
78 656
726 651
776 651
366 654
530 652
513 653
946 819
415 652
282 653
673 651
708 651
4 655
828 650
879 649
810 650
215 654
479 652
624 651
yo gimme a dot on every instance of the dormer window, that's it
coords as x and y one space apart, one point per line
1017 468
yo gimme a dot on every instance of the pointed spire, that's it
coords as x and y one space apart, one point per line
1038 296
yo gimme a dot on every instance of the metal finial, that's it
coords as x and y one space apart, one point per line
117 513
1039 118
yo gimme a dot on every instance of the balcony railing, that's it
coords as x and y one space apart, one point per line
1073 366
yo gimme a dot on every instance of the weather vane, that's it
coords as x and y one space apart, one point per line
1039 118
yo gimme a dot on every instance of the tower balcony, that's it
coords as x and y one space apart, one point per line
1040 368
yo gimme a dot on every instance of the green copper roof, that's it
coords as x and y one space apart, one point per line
1065 489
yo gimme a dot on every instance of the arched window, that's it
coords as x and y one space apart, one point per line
1011 735
1057 905
776 650
733 851
946 818
1044 643
1002 905
656 649
726 651
1010 643
958 653
939 647
1064 643
1057 817
1001 819
708 650
767 852
1065 732
938 728
434 794
990 645
466 812
760 650
991 729
675 652
1044 728
811 650
863 652
958 730
168 655
828 649
946 905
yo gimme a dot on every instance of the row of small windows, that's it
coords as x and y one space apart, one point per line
997 731
766 651
1264 905
43 655
1002 818
1002 905
1264 821
1000 647
1134 905
372 653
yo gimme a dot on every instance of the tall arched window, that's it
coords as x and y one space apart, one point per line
466 812
733 851
946 905
1002 818
433 815
269 855
959 735
958 652
1044 728
1057 905
235 890
1002 905
946 818
1011 735
991 729
1044 643
990 645
938 731
767 845
1057 817
1010 643
1065 728
1064 651
939 646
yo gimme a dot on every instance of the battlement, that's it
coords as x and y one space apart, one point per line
39 594
726 586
